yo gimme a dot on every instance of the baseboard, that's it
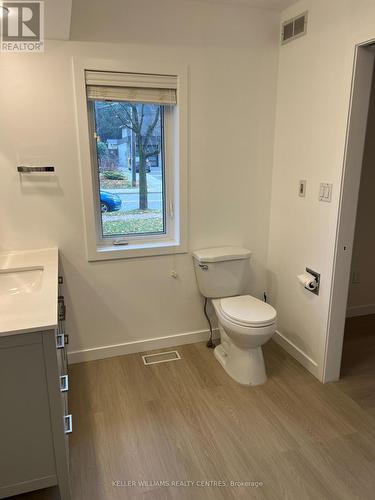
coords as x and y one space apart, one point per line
144 345
110 351
296 353
364 310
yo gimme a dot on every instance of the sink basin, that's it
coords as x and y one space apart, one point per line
21 280
28 291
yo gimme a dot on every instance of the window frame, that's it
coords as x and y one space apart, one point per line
175 144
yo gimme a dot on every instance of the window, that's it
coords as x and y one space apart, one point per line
130 168
135 160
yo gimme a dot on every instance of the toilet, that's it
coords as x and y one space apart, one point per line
245 322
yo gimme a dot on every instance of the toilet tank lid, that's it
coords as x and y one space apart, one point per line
221 254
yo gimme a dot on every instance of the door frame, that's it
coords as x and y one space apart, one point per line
363 70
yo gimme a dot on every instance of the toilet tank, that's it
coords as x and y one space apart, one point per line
222 271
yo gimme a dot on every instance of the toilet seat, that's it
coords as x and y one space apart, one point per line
247 311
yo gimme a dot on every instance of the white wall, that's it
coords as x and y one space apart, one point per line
362 291
313 97
173 22
232 57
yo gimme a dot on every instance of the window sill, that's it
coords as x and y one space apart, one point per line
134 250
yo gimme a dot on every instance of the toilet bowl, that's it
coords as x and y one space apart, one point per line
245 324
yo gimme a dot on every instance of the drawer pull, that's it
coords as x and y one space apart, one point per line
61 308
64 383
68 424
60 341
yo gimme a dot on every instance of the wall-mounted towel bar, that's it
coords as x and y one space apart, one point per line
30 170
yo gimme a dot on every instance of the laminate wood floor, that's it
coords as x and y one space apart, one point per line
187 420
358 362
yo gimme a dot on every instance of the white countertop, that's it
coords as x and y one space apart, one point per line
28 291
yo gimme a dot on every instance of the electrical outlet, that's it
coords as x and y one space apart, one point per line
302 189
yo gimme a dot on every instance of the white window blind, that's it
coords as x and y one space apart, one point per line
131 87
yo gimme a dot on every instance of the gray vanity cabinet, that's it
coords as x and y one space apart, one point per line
34 416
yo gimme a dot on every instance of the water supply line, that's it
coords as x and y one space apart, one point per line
210 342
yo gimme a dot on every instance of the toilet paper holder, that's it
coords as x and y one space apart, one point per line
317 279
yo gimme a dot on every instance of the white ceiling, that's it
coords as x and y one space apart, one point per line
263 4
57 19
58 13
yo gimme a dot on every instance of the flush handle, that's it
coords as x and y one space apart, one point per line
204 267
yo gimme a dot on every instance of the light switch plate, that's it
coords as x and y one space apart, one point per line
325 192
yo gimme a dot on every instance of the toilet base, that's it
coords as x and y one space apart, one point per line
245 366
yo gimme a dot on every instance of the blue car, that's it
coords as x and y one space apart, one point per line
109 202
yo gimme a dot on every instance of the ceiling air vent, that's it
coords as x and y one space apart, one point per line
294 28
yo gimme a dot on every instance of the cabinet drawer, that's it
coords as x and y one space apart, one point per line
62 361
64 403
61 340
